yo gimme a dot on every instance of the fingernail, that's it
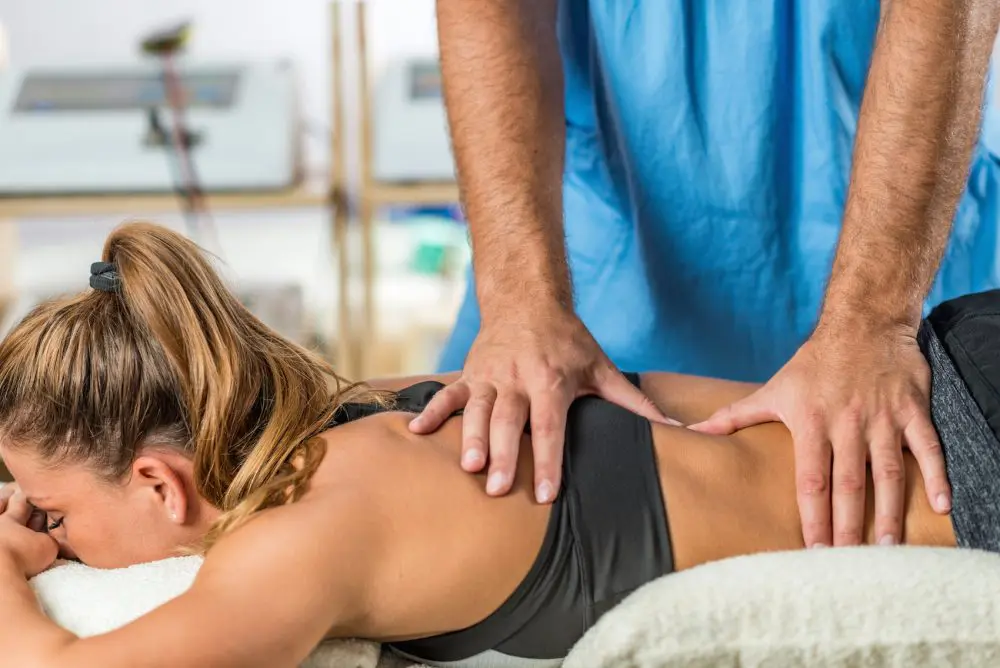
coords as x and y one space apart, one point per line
472 458
943 503
545 492
416 422
817 546
887 540
495 482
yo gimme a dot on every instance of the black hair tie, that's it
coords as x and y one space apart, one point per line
104 277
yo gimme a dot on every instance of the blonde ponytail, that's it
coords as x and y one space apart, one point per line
177 358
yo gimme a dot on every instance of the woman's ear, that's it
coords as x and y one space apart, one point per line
160 479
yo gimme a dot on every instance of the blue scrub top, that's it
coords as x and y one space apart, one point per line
707 161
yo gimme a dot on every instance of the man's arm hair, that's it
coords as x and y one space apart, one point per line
919 122
503 90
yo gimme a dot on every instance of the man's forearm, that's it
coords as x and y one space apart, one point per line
504 94
918 124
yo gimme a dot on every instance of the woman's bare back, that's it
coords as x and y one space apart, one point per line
449 555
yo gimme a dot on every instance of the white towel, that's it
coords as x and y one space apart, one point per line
850 608
89 601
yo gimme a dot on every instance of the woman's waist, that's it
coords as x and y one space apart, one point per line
734 495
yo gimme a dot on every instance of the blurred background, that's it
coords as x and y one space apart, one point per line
303 143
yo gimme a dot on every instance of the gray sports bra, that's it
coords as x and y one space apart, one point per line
607 535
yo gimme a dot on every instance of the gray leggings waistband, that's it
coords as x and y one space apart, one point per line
971 450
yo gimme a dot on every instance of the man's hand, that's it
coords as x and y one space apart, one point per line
528 370
850 397
860 385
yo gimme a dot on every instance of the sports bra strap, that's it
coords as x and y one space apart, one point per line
412 399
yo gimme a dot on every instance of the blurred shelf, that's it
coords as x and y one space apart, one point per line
411 193
308 194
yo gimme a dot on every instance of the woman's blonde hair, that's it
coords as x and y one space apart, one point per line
171 359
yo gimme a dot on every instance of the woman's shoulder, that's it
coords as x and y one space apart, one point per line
328 538
380 449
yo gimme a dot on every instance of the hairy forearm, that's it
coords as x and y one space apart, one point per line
503 91
918 124
27 637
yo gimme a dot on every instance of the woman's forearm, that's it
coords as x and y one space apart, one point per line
280 557
28 639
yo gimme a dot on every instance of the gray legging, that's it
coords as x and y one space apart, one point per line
971 449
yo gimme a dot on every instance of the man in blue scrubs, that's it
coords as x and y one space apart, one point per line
700 163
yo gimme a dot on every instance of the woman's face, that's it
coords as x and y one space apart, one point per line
102 524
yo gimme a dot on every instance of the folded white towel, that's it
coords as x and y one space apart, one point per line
89 601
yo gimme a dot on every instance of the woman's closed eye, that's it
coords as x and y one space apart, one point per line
55 524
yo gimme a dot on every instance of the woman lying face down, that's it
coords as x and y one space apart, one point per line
155 415
116 401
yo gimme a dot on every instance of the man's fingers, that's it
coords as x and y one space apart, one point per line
747 412
548 436
510 414
850 476
476 428
613 386
449 399
812 486
923 441
889 476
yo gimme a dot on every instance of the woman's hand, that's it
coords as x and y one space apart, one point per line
22 535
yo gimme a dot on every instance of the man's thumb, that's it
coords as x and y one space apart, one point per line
747 412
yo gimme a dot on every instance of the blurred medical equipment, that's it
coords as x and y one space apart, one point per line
88 130
410 128
179 140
